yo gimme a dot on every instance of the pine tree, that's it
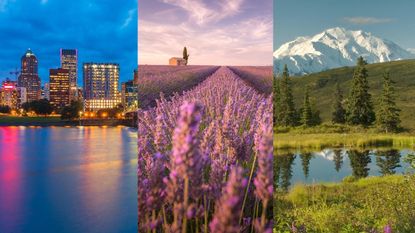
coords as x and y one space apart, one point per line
388 161
307 113
277 101
388 113
185 55
360 108
287 112
339 113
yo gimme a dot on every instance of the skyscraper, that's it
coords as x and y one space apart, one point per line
29 77
101 82
59 87
69 61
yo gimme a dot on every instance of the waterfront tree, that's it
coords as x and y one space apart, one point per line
388 113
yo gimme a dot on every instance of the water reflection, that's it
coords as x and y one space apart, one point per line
76 179
332 165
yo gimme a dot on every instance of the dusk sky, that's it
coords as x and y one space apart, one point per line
222 32
101 30
392 20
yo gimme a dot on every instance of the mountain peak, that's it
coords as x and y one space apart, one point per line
336 47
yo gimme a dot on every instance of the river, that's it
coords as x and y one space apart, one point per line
68 179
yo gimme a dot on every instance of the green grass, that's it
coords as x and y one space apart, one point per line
349 206
327 135
22 120
322 86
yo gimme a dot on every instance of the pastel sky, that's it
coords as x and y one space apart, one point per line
220 32
392 20
101 30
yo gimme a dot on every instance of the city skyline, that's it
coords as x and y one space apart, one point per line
99 33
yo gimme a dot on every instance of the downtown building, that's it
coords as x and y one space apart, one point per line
69 61
29 77
59 88
101 86
11 95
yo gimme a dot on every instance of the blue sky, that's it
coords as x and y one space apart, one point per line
392 20
101 30
220 32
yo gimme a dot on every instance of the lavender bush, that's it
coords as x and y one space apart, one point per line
205 159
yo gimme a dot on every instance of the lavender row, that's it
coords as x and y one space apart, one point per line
205 159
260 77
154 80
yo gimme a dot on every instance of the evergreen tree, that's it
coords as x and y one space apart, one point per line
339 113
185 55
359 162
307 113
338 159
287 112
388 113
305 162
277 101
388 161
360 108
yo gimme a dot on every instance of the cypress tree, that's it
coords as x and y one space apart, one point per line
388 113
339 113
185 55
287 112
360 108
307 113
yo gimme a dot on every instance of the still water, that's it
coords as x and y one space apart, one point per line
333 165
77 179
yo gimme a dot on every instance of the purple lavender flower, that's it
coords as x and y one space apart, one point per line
228 208
387 229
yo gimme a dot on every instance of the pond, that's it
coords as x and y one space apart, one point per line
334 164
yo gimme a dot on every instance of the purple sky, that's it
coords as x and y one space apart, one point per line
221 32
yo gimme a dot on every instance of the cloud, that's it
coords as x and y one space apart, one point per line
247 42
366 20
201 13
411 50
44 1
130 17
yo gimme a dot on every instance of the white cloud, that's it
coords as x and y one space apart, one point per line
130 17
366 20
248 42
200 13
411 50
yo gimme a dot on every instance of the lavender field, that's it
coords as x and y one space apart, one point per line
205 158
156 79
259 77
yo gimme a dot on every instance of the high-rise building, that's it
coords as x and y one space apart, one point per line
69 61
46 91
11 95
129 95
135 80
59 88
101 85
29 77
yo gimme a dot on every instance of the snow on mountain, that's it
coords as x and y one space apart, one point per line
335 47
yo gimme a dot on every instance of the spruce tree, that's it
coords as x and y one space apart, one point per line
388 113
287 112
339 113
277 101
360 107
307 113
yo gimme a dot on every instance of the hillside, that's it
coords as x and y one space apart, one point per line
322 87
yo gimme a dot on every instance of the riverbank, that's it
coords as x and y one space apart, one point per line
364 205
56 121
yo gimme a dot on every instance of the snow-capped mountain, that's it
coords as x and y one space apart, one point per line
335 47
